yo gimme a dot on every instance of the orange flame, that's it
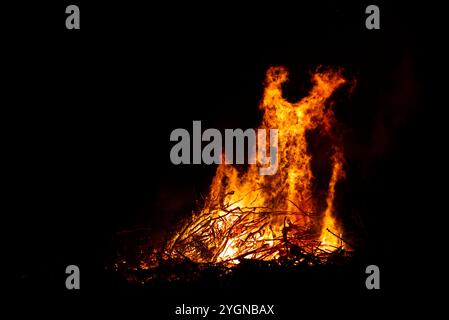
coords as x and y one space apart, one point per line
253 216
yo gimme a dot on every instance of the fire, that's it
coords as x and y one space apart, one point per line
331 232
251 216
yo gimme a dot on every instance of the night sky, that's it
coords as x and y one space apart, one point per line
88 115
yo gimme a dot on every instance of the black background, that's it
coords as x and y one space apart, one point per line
88 114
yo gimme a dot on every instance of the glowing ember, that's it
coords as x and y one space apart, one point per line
251 216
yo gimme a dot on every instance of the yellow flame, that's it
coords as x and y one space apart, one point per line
246 214
331 231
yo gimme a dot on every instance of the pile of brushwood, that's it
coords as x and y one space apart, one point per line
192 253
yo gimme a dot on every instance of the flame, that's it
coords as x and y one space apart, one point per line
251 216
331 232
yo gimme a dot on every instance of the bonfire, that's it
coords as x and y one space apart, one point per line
276 218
